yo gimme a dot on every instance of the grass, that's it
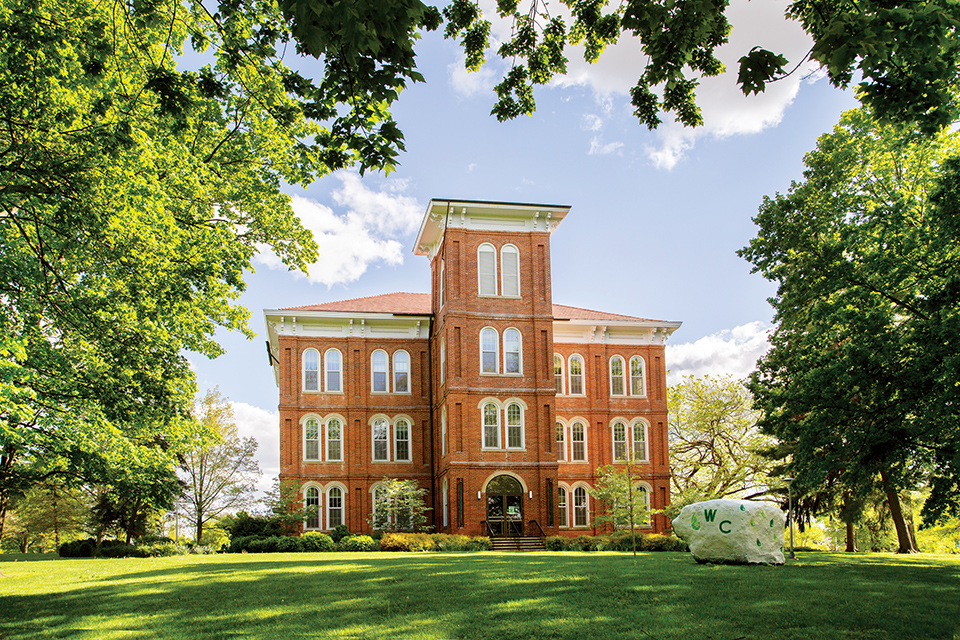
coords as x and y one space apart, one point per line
576 596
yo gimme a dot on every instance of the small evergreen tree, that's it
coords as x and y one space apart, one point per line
399 506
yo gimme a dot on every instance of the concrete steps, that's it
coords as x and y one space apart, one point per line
527 543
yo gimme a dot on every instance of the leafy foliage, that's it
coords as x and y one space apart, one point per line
860 384
400 506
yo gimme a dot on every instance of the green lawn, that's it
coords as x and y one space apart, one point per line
580 596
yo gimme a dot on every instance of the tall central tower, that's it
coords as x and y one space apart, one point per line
493 400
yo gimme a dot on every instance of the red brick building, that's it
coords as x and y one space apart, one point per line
499 402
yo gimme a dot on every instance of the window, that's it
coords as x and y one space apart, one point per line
333 370
401 372
379 500
558 373
562 506
312 501
334 440
334 507
311 439
561 442
445 501
381 442
640 441
443 360
401 435
576 375
311 370
509 271
619 442
491 426
514 426
617 387
443 430
578 442
379 371
488 351
487 270
442 284
637 384
646 499
511 351
579 507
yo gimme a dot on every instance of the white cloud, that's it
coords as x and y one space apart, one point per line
599 149
734 351
472 83
264 426
592 122
366 233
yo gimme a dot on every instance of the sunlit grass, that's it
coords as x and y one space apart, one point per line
581 596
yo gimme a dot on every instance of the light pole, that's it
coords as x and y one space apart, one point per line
790 513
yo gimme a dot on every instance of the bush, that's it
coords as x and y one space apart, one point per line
617 542
118 549
407 542
358 543
163 549
244 524
288 544
339 533
316 541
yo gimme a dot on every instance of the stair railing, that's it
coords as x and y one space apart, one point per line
489 529
539 528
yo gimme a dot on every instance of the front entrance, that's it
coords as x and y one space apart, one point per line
505 506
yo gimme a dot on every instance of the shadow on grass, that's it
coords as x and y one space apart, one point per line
488 595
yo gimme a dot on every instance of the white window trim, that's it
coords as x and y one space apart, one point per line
506 425
445 502
519 352
326 504
443 360
583 375
496 352
303 437
483 424
326 438
624 378
409 440
564 430
627 440
326 371
643 376
572 507
303 493
496 279
648 524
443 430
443 282
563 373
373 440
409 372
503 271
565 522
642 424
373 372
586 440
303 370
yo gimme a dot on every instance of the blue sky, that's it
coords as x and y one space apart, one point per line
656 217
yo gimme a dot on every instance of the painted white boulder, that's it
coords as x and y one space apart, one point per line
732 531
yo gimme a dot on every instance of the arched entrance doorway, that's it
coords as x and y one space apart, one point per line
505 506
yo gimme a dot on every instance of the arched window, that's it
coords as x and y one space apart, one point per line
491 426
378 503
558 373
638 385
619 442
487 270
646 499
580 507
576 376
562 506
640 441
311 439
488 351
509 271
334 440
311 370
401 436
333 380
514 426
311 501
561 442
442 284
512 350
443 430
401 372
381 442
578 442
379 371
334 507
617 387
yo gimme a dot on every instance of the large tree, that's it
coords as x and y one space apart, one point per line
219 472
716 448
861 381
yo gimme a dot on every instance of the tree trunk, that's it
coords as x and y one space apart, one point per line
851 539
6 476
896 513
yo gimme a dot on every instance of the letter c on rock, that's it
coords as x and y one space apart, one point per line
725 522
